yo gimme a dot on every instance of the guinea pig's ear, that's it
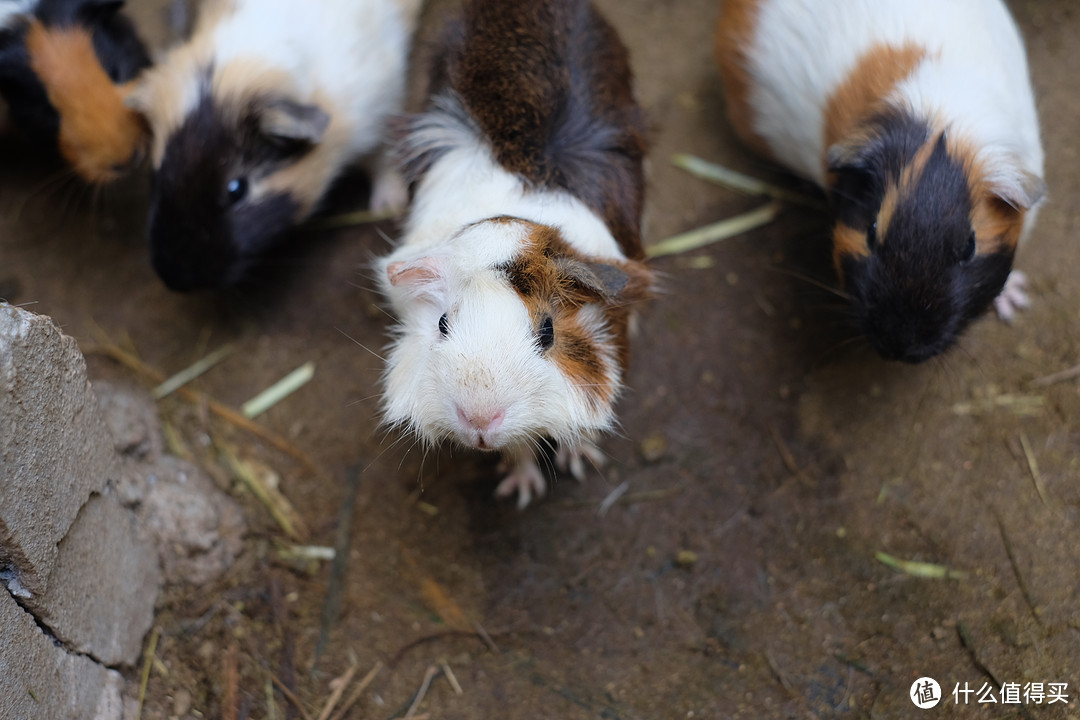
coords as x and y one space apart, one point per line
849 156
287 122
1018 188
420 277
613 283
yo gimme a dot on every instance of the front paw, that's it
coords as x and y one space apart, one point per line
571 458
525 478
1013 296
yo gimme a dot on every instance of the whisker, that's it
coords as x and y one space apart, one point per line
360 344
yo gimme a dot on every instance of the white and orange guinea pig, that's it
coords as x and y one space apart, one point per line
521 257
918 118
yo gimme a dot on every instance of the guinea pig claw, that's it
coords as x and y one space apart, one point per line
571 458
1013 296
525 477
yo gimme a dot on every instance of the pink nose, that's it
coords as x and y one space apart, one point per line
483 422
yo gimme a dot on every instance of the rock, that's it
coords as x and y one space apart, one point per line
132 420
103 585
198 530
38 679
54 448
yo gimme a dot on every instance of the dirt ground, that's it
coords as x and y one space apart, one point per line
767 462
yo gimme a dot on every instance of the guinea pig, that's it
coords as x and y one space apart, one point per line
918 119
521 258
65 70
255 115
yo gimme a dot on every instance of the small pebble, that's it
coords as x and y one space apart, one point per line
686 558
653 447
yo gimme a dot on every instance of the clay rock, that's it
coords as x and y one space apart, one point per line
39 679
103 585
132 420
54 448
197 529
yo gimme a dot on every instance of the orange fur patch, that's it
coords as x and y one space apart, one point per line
847 241
547 289
997 224
863 92
99 136
734 34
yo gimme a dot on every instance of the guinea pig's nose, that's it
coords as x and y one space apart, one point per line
483 422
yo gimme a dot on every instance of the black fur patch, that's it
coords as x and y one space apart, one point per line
915 293
198 239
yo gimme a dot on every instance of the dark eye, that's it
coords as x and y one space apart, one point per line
444 325
871 235
969 249
237 189
546 335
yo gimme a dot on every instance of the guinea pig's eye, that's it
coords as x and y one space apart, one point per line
546 334
969 249
444 325
871 235
237 189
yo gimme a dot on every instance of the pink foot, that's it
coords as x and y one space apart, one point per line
524 477
1013 297
571 458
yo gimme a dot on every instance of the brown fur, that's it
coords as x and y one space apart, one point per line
99 135
547 289
848 241
997 224
863 92
549 84
734 33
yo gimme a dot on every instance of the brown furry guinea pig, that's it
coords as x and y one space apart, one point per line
65 66
918 118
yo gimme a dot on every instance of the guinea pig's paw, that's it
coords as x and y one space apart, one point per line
525 477
571 458
1013 297
389 193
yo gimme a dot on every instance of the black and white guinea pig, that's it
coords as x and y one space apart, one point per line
918 118
256 114
521 259
65 69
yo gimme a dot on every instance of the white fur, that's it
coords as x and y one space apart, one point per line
974 79
489 361
346 56
352 50
12 10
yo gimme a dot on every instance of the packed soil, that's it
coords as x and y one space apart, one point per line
765 460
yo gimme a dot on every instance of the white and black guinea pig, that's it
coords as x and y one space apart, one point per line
918 118
65 69
253 118
521 259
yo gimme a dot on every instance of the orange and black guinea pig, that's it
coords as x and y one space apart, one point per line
65 66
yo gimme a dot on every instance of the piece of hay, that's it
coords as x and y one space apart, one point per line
715 232
738 182
191 372
280 390
920 569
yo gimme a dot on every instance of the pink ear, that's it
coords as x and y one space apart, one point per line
413 273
